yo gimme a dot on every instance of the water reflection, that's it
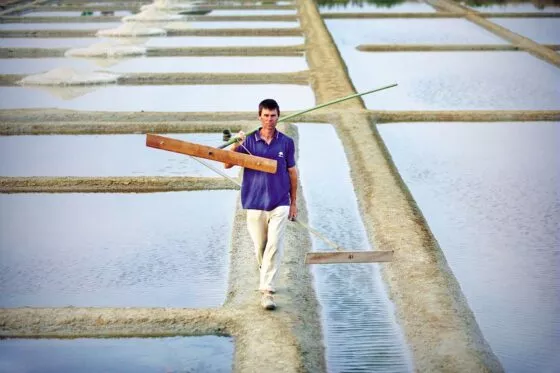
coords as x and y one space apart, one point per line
101 155
115 250
361 334
537 4
209 354
389 3
375 6
490 194
230 97
359 3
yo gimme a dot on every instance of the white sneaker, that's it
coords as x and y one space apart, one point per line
267 302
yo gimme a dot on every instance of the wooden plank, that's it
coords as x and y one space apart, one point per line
334 257
208 152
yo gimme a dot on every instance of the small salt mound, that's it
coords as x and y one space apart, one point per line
153 15
132 29
64 76
106 50
166 5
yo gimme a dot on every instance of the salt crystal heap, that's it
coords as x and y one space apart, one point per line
64 76
107 49
153 14
175 6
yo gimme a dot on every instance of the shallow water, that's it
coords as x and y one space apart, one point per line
238 24
102 155
232 97
454 80
169 41
489 192
142 64
360 331
115 250
118 13
514 8
59 26
353 32
252 12
224 41
209 354
540 30
404 7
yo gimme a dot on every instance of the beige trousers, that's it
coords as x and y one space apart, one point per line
266 229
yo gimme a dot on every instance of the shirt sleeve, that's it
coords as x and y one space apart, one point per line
291 154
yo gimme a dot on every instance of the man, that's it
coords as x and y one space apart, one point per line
270 199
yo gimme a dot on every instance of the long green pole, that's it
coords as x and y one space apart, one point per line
283 119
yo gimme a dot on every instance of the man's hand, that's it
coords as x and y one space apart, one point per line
293 212
240 137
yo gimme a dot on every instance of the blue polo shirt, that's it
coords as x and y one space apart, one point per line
263 190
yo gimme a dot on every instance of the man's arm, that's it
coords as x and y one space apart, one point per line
292 171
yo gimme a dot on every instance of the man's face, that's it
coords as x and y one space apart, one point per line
268 118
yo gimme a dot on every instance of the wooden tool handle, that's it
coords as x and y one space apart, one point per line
208 152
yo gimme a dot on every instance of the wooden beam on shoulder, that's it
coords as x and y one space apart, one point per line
214 154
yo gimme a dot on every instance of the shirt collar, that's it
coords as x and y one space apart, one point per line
258 134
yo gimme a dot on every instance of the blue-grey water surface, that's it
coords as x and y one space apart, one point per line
526 7
491 195
205 354
540 30
115 250
224 97
156 42
143 64
364 7
361 334
454 80
118 13
353 32
101 155
60 26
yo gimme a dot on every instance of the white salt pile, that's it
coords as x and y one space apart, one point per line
107 49
69 77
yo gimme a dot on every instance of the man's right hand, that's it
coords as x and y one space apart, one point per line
240 137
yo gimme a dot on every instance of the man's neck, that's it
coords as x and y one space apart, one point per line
267 134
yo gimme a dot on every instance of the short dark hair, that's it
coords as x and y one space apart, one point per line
269 104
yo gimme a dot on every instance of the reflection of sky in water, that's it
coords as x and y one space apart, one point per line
168 41
224 41
489 192
115 250
353 32
403 7
225 97
59 26
513 8
102 155
234 24
540 30
209 354
360 330
118 13
454 80
142 64
253 12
